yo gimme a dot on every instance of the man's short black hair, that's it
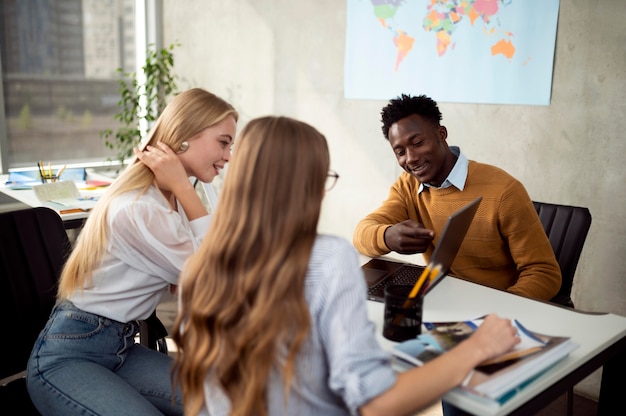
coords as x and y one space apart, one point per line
405 105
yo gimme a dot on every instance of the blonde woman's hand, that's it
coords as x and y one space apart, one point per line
170 176
168 170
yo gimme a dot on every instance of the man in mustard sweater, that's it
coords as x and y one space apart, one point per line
505 247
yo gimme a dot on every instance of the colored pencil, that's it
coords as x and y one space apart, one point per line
60 171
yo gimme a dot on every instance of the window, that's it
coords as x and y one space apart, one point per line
59 79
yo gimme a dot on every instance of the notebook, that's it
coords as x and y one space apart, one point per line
381 272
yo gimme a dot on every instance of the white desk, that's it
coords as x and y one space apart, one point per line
27 196
75 220
602 340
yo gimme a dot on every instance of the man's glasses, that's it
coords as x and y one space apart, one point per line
331 179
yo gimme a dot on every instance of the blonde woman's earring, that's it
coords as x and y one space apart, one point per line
183 147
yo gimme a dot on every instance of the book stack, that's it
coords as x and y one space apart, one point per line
495 380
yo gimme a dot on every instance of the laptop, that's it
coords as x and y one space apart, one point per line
381 272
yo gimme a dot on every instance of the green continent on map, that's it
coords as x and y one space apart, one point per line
384 10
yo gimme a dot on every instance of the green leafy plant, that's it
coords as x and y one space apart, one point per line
141 101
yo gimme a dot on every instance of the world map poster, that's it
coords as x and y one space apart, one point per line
468 51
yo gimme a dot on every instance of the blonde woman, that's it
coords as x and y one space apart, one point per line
130 251
273 320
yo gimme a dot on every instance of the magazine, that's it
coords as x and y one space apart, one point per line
64 197
497 379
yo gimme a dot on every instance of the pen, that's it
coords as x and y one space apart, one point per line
50 171
41 174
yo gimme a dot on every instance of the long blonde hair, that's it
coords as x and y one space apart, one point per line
243 310
188 114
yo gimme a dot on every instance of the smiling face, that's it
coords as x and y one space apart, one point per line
209 150
421 149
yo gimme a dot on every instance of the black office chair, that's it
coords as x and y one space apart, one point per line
33 248
567 227
153 334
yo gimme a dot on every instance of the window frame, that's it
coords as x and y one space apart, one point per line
148 31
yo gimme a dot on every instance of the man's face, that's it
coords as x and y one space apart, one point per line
421 149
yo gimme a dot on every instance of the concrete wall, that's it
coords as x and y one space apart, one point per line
286 57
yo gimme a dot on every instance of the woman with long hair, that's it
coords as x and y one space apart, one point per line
273 319
131 251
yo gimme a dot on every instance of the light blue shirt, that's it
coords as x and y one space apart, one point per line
341 366
456 177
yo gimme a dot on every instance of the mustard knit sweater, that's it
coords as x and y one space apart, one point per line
505 246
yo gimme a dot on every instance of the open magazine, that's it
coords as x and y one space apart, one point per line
496 379
64 197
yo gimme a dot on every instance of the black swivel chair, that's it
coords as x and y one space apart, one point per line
567 227
33 247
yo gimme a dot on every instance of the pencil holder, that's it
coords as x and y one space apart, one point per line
48 178
403 316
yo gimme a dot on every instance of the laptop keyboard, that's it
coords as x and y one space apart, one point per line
403 276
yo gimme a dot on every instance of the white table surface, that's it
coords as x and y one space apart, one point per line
27 196
455 299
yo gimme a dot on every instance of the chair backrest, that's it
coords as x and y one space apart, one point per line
567 227
33 247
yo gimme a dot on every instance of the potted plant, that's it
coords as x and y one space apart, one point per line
141 100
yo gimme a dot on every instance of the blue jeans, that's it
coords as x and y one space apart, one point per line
85 364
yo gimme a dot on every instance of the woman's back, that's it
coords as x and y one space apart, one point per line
341 363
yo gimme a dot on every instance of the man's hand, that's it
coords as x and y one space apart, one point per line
408 237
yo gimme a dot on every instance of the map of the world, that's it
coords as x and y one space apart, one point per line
475 51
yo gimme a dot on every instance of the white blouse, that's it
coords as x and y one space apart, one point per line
148 244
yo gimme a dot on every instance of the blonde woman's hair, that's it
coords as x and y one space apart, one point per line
243 310
188 114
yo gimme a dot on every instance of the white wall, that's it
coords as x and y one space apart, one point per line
286 57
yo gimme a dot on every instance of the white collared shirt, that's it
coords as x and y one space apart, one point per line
456 177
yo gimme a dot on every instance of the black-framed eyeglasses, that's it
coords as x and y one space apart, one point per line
331 179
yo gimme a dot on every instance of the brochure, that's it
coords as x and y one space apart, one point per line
496 379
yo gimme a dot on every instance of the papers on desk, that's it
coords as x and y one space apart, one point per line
26 178
64 197
496 380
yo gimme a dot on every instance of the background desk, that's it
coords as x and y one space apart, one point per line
206 192
602 340
28 199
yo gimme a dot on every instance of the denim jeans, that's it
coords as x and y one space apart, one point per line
85 364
